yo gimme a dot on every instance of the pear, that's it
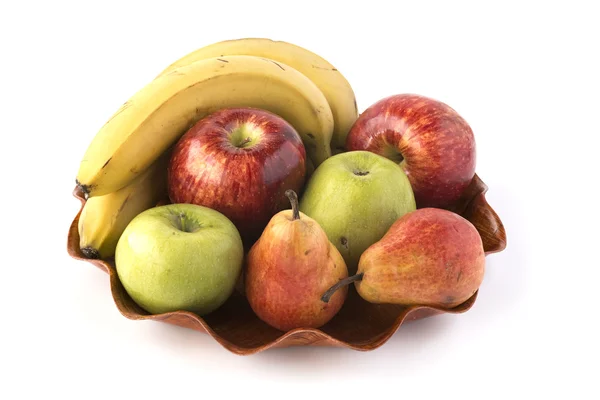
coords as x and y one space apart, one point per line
288 269
429 257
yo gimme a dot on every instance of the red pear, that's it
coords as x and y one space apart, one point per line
288 269
428 257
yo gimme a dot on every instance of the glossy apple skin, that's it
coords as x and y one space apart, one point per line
428 257
246 184
433 144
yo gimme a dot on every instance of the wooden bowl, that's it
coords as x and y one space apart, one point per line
359 325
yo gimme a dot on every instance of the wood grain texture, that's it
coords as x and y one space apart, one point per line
359 325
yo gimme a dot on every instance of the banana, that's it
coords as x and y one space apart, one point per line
333 84
104 218
158 115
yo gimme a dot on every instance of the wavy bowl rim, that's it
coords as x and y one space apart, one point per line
316 336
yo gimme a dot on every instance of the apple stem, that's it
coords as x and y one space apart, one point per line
182 223
246 141
294 200
346 281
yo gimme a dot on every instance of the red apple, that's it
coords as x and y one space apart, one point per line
433 144
239 162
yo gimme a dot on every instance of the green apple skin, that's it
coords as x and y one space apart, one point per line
179 257
356 197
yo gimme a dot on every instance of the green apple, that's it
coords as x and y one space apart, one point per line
179 257
356 197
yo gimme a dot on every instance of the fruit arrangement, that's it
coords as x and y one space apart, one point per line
241 193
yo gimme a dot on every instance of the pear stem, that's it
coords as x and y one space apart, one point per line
294 200
346 281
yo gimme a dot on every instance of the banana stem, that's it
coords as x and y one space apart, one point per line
294 201
327 295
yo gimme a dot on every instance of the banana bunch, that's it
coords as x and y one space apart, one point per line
326 77
104 218
120 164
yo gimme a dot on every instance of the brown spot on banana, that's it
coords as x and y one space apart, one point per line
274 62
106 163
123 204
124 107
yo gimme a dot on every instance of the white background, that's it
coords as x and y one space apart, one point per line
526 77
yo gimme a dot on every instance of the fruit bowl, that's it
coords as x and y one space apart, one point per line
359 325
